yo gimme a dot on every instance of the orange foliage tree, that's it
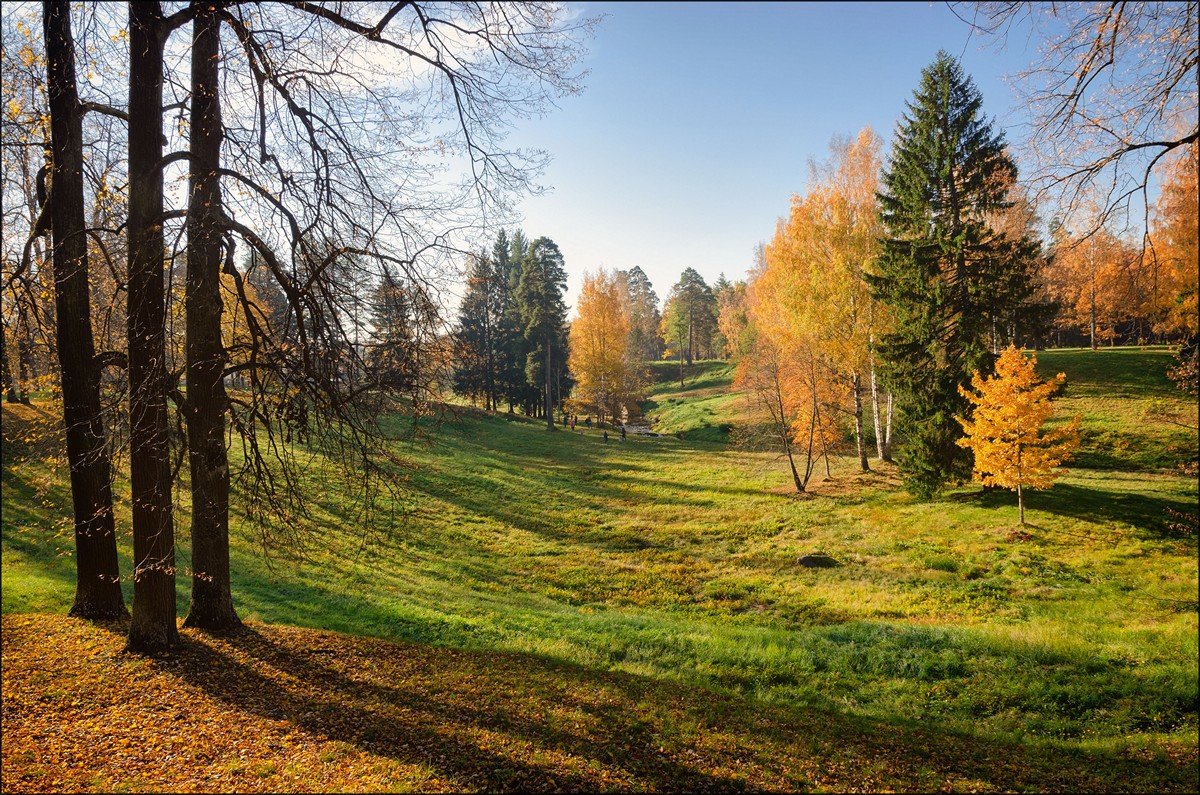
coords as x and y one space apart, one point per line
814 278
1005 431
1174 254
601 360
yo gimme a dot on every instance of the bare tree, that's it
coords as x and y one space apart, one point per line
1113 91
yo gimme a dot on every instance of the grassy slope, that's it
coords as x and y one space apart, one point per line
672 559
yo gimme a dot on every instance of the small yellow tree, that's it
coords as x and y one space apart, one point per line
1005 433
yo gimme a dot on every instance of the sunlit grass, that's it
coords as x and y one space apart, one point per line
677 559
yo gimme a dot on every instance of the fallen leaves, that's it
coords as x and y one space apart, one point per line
285 709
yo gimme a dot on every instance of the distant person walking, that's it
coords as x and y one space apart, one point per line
606 436
622 432
572 422
588 421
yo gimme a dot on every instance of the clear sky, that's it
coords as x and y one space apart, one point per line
698 121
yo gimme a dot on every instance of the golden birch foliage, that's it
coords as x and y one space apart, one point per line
599 357
1005 432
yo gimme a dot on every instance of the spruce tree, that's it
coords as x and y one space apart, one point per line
393 355
479 348
540 294
944 272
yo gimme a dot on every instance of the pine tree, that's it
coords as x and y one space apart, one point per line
691 315
479 349
1005 433
645 339
945 273
540 295
393 354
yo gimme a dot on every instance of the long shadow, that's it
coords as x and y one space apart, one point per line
412 728
1147 513
365 698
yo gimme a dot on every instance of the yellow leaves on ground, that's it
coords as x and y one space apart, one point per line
1005 432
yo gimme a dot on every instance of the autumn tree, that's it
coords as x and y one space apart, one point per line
98 589
1172 258
1096 280
1111 92
943 268
602 360
785 386
1012 449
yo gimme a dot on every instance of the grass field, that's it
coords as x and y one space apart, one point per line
673 560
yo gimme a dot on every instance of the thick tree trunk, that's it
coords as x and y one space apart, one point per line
212 600
153 626
858 424
98 587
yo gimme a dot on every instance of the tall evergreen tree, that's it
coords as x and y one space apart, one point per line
393 354
540 295
509 256
480 347
944 272
645 337
692 314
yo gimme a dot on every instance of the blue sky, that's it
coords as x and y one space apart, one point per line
698 121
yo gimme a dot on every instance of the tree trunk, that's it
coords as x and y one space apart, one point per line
212 600
153 626
25 374
858 424
547 405
887 432
98 587
875 411
1021 503
10 385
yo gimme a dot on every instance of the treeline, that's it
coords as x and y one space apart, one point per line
285 301
512 331
890 283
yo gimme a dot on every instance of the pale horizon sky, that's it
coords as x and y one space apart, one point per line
698 120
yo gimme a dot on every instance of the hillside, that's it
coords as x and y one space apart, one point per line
656 581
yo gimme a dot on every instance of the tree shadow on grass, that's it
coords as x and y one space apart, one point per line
429 706
405 722
1147 513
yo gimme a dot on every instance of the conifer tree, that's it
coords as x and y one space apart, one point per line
393 353
944 272
540 295
1005 433
645 339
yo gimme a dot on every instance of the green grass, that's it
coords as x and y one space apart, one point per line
1122 393
675 559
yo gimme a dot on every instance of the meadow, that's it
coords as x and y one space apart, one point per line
663 572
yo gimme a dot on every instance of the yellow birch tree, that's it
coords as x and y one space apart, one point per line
1005 432
600 361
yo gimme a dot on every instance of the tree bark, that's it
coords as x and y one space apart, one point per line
212 599
858 424
547 406
153 626
10 385
887 431
98 587
875 411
